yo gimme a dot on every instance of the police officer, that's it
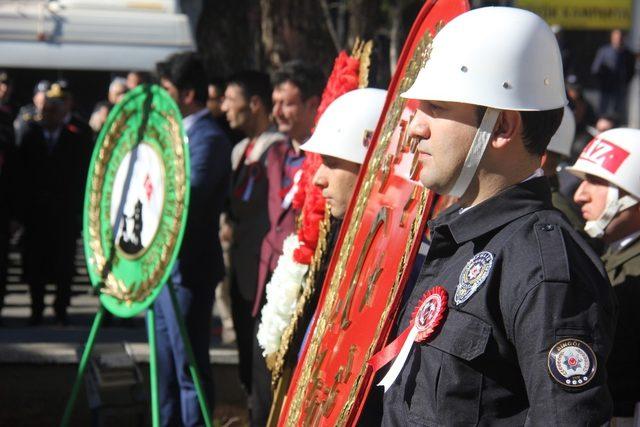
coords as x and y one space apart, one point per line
341 140
609 195
521 307
72 118
32 112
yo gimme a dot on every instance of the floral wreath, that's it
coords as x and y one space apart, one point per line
292 282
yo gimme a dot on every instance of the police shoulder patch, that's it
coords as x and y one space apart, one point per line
572 363
473 276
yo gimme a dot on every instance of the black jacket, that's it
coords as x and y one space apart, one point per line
52 179
488 365
199 261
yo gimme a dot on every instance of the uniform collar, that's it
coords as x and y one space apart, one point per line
512 203
536 174
621 244
614 259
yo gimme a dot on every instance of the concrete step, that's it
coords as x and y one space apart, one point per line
49 344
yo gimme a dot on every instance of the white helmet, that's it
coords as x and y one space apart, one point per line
614 156
502 58
347 121
562 140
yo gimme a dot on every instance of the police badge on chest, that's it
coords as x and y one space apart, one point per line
473 276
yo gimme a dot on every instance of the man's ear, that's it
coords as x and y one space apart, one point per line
313 102
507 128
544 158
255 103
188 96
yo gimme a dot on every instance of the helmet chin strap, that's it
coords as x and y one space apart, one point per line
476 151
614 205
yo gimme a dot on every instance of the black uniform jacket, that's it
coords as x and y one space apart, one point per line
488 363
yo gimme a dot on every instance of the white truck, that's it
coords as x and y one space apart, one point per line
114 35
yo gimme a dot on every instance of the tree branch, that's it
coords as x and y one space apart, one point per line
330 26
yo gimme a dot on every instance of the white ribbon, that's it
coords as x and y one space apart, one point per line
399 361
286 202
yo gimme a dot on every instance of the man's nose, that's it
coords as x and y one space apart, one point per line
319 178
581 195
276 109
419 126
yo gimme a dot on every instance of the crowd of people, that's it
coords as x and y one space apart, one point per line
508 354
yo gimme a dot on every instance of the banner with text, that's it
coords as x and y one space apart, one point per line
582 14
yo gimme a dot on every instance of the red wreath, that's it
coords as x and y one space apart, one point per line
344 78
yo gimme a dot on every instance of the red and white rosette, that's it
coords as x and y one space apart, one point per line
425 320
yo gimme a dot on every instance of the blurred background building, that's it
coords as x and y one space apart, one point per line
87 42
96 39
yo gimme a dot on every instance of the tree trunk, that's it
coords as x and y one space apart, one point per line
295 29
364 19
249 34
227 35
395 44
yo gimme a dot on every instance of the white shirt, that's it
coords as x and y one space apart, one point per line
189 121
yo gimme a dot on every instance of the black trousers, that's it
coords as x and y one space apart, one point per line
261 395
244 324
48 257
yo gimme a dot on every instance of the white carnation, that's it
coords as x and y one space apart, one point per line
282 294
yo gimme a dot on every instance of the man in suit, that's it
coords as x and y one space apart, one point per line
296 96
247 105
72 117
215 91
7 186
613 68
54 158
199 266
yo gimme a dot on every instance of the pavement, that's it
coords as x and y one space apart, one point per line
38 364
51 343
